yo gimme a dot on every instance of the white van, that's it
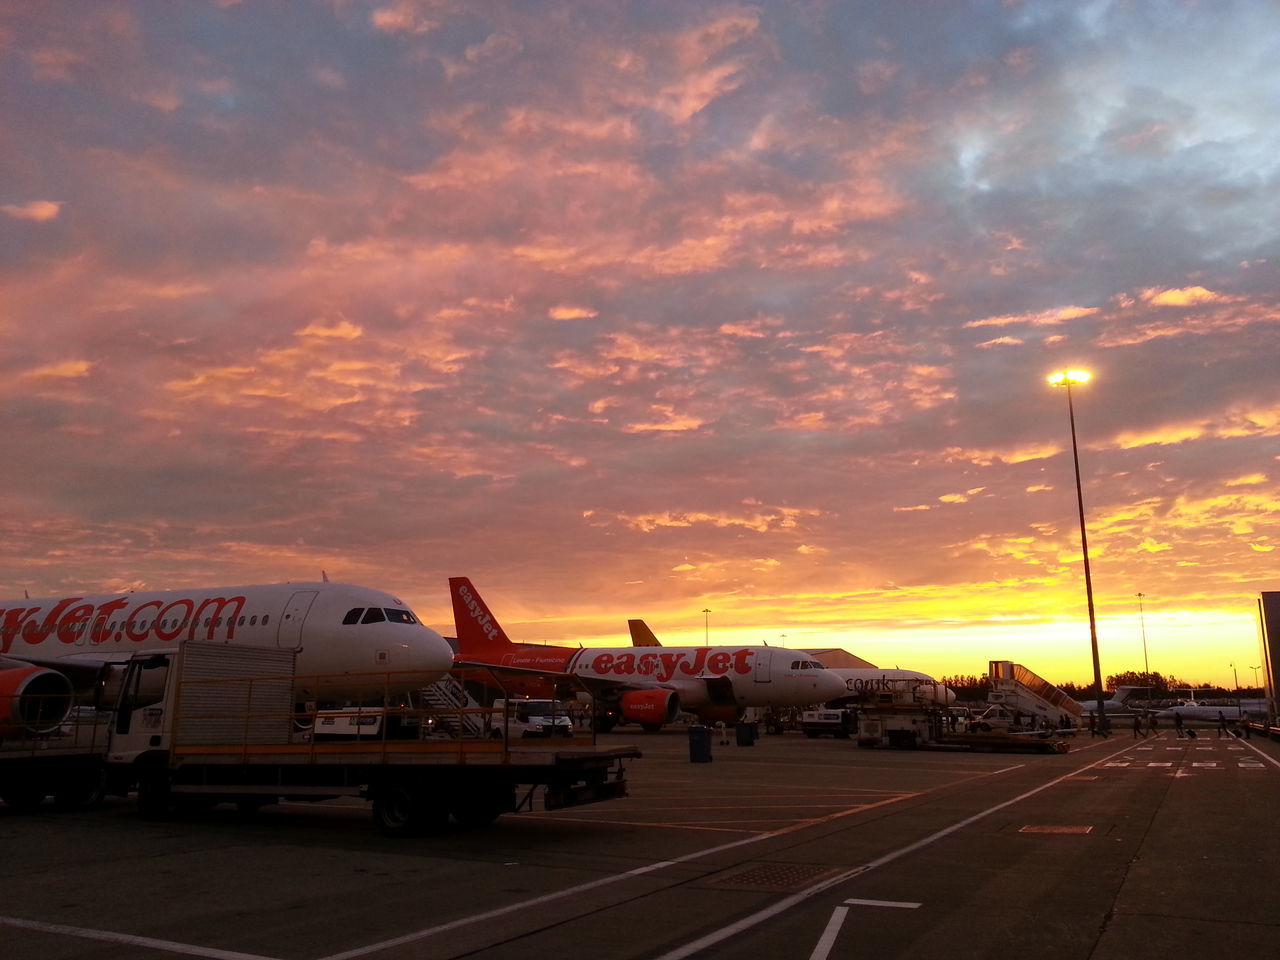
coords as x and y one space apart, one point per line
530 718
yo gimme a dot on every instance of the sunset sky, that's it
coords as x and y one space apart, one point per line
646 309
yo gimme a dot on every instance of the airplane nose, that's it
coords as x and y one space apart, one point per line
436 653
830 687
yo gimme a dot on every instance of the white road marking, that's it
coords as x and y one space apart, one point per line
901 904
746 923
149 943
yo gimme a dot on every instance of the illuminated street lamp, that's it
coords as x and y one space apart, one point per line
706 623
1255 675
1065 378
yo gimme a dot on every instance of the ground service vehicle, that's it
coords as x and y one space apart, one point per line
211 722
840 723
530 718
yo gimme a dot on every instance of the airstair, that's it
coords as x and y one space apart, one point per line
457 713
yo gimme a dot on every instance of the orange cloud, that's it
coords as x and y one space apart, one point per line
1183 297
567 312
38 211
1041 318
63 370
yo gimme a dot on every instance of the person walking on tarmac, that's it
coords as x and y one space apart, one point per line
1151 725
1177 725
1137 727
1222 726
1093 725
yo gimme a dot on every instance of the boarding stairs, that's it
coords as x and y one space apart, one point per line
456 712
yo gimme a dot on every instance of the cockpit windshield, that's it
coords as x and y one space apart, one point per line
378 615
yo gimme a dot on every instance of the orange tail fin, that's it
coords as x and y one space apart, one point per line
641 635
477 628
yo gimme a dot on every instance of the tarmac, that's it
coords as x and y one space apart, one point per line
790 848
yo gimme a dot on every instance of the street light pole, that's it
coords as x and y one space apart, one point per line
706 623
1142 624
1236 677
1064 379
1255 675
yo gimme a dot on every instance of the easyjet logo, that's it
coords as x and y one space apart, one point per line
478 613
666 665
71 619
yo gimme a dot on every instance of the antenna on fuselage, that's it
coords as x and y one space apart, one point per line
324 575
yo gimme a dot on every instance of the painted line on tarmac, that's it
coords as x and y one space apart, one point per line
128 940
838 915
746 923
593 884
639 871
1267 757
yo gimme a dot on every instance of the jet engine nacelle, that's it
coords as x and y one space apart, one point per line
649 706
33 700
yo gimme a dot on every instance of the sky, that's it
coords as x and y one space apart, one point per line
735 317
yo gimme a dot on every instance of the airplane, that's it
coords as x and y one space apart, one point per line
861 680
650 688
1195 710
857 680
58 652
1118 702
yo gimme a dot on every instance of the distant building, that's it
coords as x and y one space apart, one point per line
837 658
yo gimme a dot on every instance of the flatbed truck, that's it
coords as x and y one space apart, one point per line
208 723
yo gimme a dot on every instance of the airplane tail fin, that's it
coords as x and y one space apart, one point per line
477 628
641 635
1124 693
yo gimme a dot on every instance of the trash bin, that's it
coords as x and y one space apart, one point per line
747 733
699 744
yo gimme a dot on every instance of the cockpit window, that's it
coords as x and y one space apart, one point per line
374 615
399 616
817 665
353 616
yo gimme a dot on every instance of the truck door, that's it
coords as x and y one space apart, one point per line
289 636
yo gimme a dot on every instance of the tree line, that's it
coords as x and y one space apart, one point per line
975 688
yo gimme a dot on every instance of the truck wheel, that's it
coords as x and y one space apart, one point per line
402 810
154 797
22 798
86 790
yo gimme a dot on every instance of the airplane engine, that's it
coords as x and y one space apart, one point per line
650 707
33 700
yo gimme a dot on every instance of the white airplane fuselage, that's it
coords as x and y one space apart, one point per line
859 681
319 621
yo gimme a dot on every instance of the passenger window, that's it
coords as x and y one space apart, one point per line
253 621
373 615
353 616
265 618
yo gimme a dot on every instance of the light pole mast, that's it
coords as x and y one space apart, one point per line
1142 624
1064 379
706 625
